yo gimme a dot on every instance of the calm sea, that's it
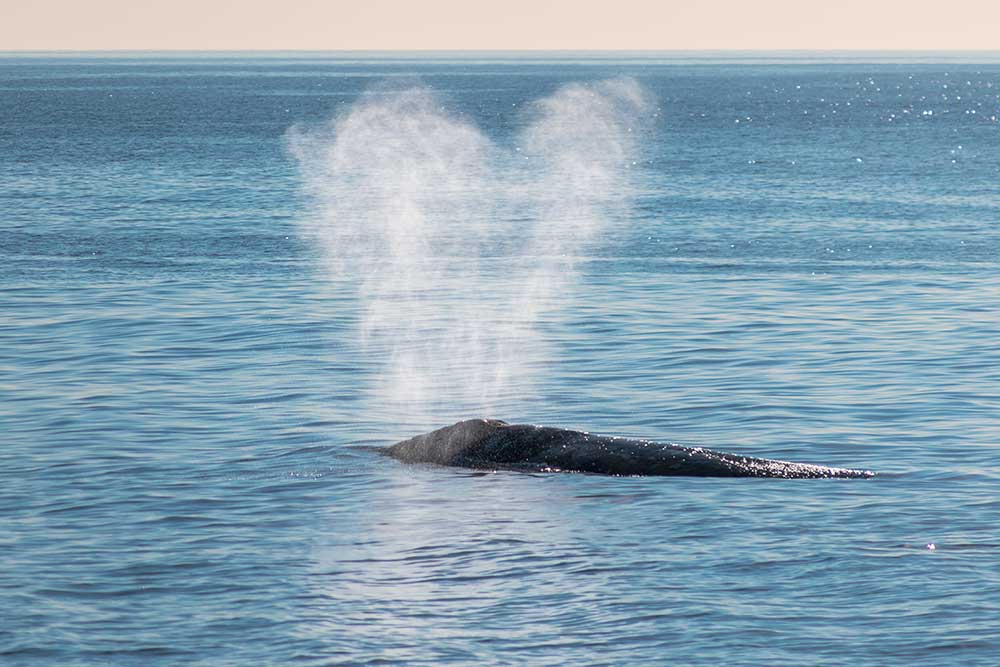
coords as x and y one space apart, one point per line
794 256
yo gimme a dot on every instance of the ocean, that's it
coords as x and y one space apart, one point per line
224 276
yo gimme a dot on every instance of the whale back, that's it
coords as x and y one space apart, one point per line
495 444
451 445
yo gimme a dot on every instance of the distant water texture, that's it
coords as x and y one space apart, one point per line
222 276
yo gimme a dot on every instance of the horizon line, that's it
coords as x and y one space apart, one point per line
580 56
554 50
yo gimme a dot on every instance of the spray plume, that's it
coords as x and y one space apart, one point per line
455 247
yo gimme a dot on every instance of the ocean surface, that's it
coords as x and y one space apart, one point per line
222 277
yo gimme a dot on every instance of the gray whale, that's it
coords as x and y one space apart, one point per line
492 444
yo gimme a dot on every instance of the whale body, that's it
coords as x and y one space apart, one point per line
492 444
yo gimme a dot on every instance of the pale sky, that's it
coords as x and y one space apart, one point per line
503 24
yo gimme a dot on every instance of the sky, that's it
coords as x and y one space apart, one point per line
499 25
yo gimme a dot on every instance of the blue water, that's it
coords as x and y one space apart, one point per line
809 269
